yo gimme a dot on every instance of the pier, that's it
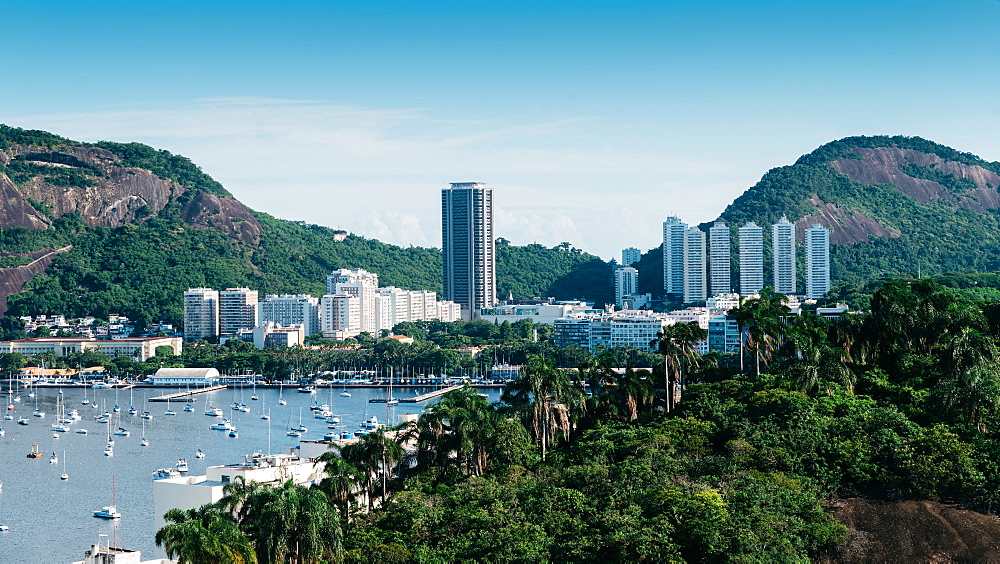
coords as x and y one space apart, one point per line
187 394
430 395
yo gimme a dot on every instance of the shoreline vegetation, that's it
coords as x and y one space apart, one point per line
898 403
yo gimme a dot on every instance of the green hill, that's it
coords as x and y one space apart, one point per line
136 226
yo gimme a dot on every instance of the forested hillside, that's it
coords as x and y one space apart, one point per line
145 224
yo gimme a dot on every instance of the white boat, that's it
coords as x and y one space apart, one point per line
182 465
8 417
301 428
108 512
64 475
143 441
307 390
74 415
213 412
293 433
146 415
81 431
345 394
169 411
164 473
122 432
100 386
22 421
189 408
53 459
199 454
4 528
38 413
233 433
109 451
1 432
132 410
223 425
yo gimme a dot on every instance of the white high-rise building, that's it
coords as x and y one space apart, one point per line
467 247
673 256
695 283
720 281
237 310
630 256
626 284
340 316
783 250
449 311
201 314
361 283
751 259
397 308
817 261
384 313
286 310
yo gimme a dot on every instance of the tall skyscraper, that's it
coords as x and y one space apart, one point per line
237 310
720 281
201 314
751 259
673 256
695 287
630 256
626 284
783 249
468 247
817 261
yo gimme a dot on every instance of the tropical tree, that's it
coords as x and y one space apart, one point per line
343 480
761 319
547 399
207 535
678 345
375 456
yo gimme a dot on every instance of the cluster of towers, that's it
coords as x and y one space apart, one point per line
697 265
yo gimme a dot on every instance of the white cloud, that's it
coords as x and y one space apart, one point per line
376 172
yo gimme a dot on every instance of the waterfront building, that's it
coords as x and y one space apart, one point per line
340 316
783 250
751 259
237 310
467 245
817 245
290 310
195 377
361 283
626 329
201 314
630 256
136 348
544 313
695 287
270 335
626 284
673 257
720 279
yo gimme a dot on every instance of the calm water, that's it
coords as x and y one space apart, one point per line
51 520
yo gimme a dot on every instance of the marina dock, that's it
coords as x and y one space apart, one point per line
188 394
430 395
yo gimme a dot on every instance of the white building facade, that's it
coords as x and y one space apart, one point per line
201 314
630 256
817 245
783 250
626 284
695 282
720 278
237 310
673 256
751 259
290 310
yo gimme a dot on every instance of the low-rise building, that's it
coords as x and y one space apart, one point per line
194 377
137 348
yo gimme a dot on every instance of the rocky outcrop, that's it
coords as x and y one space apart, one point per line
846 226
913 531
228 215
116 195
12 280
15 211
884 165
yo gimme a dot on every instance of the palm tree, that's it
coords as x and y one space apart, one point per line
810 361
762 318
374 455
678 344
342 481
207 535
546 398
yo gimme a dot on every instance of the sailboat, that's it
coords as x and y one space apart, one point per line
169 411
254 396
199 454
281 400
110 511
143 441
131 403
53 459
64 475
301 428
38 412
292 431
85 400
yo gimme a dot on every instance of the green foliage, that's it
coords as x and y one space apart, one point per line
164 164
32 137
21 170
563 272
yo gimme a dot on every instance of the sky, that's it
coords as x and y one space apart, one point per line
592 121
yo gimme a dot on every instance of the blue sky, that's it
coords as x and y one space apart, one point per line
592 121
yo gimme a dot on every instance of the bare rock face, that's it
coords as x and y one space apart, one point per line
15 211
117 195
13 279
884 165
846 226
206 211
